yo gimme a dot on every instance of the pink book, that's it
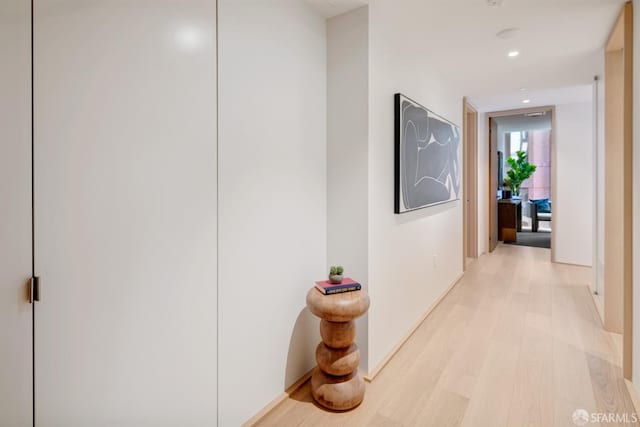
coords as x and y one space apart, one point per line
347 284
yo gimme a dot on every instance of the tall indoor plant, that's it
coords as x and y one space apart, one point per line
520 170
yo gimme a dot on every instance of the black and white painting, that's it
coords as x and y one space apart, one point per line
427 157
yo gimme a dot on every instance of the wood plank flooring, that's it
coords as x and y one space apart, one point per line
517 342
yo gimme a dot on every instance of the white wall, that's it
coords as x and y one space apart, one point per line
404 280
572 217
348 151
272 195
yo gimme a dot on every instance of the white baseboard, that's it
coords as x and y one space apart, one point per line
281 397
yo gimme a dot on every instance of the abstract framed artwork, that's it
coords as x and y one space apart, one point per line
427 157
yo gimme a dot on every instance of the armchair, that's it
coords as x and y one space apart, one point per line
538 213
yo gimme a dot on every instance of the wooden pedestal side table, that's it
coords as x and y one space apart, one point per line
337 384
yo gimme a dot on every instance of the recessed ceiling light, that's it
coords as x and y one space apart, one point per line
526 101
513 54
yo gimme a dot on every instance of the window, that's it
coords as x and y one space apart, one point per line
519 141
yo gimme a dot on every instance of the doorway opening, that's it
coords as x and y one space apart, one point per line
470 184
521 176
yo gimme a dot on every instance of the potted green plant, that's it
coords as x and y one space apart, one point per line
335 274
520 171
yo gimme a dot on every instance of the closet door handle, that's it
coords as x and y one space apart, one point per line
34 292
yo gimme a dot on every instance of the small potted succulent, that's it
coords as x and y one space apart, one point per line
335 274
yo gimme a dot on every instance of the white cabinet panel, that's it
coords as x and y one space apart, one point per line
125 175
15 213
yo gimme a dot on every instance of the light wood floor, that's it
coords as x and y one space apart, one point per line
518 342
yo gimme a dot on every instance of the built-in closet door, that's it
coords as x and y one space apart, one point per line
15 213
125 212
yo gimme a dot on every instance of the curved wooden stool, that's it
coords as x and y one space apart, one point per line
337 384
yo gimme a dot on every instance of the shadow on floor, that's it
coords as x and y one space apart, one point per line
539 239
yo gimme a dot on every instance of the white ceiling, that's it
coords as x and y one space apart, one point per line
560 42
330 8
538 98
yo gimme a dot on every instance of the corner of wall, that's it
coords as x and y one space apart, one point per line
347 152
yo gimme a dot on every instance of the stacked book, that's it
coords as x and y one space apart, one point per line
347 285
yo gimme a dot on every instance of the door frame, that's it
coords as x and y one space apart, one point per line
491 193
618 181
470 182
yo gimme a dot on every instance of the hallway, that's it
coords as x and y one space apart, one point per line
517 342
